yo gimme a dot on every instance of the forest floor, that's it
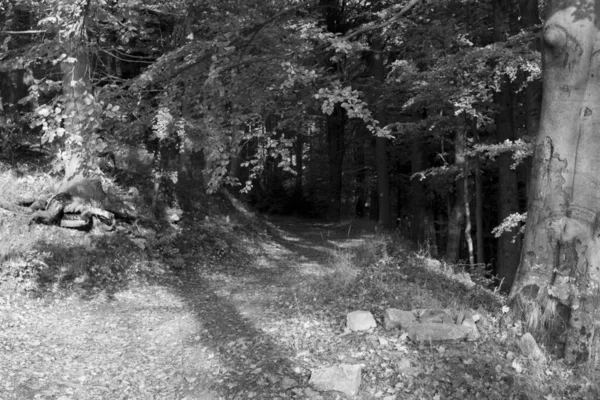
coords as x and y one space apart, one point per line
248 316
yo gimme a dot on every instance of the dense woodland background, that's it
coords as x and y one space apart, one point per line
416 114
418 117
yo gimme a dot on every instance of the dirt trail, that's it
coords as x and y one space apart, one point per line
204 333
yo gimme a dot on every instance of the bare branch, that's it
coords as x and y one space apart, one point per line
137 59
23 32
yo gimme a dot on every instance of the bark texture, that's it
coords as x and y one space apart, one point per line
560 263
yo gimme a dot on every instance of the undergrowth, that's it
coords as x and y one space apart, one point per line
383 270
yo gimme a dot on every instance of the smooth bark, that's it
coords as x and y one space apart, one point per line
560 263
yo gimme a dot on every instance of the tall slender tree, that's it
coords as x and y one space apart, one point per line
508 197
381 156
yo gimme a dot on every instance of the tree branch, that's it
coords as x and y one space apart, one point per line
129 60
383 24
261 25
23 32
254 30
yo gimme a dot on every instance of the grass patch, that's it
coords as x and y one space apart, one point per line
383 272
18 184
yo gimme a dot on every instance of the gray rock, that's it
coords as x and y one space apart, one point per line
393 317
343 378
288 383
432 332
360 321
426 315
311 394
530 348
474 334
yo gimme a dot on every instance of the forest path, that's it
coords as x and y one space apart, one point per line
242 329
255 321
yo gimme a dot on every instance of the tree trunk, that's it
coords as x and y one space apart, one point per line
479 214
76 83
560 263
298 152
336 124
468 227
422 230
457 215
533 91
508 194
381 158
374 202
359 180
235 161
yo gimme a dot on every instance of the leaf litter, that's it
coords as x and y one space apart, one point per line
253 322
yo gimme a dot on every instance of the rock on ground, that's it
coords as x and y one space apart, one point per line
474 334
437 332
344 378
423 325
530 348
393 317
360 321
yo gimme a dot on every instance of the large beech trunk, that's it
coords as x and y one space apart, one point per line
560 263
